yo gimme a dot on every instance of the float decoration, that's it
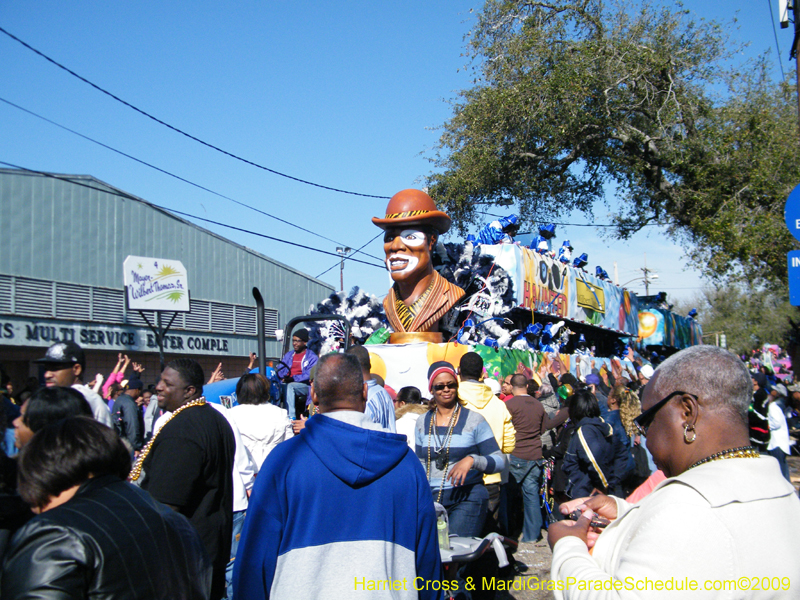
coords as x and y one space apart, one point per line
420 297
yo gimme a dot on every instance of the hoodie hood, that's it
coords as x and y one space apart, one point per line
761 380
475 393
355 455
603 428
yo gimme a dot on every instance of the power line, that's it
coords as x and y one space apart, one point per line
178 212
180 131
178 177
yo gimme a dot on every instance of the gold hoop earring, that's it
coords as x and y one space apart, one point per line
686 429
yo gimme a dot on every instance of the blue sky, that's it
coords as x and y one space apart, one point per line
346 94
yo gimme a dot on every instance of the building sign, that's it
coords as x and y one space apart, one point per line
590 296
15 331
156 284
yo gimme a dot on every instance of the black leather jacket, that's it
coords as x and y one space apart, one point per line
110 541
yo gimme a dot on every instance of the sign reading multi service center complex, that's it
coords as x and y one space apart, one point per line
156 284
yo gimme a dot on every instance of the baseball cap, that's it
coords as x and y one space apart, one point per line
781 389
63 354
647 371
135 384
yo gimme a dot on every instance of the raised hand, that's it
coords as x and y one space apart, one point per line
217 375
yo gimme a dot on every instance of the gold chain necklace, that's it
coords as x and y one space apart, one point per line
448 438
741 452
136 471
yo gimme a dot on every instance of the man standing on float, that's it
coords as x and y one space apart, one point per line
420 297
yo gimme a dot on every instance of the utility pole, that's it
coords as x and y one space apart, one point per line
794 6
647 277
342 251
795 53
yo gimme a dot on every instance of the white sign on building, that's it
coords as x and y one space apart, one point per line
156 284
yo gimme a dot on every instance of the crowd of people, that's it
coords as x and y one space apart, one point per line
123 490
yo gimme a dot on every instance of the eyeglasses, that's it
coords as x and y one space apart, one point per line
453 385
643 421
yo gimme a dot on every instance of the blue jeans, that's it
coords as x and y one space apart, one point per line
466 508
528 475
289 390
238 522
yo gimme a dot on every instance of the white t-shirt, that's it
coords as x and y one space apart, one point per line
99 406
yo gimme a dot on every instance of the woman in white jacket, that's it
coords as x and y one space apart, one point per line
701 531
261 424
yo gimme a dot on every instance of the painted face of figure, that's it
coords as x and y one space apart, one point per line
408 253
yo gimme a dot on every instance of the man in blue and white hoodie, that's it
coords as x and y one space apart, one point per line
344 507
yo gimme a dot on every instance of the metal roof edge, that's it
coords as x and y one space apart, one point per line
123 194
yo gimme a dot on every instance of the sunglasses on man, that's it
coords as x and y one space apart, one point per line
644 420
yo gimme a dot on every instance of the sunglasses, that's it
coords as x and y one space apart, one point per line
644 420
445 386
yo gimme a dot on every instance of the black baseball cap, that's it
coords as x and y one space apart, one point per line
135 384
64 355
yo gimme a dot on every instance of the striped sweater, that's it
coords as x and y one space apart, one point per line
472 436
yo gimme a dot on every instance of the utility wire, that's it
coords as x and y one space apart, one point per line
345 258
178 177
775 33
180 131
178 212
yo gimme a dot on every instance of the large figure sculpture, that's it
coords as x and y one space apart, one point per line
420 297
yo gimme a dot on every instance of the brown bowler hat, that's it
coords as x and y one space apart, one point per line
412 207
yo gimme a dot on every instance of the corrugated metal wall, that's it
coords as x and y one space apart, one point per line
61 231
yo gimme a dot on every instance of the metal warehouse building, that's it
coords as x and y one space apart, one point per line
63 240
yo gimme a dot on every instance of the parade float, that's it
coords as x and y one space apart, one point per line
514 305
517 305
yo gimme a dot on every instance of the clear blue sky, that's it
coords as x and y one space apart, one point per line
344 94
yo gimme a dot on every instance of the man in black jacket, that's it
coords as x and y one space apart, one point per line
188 466
127 417
97 536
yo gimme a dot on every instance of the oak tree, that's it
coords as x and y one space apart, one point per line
573 98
